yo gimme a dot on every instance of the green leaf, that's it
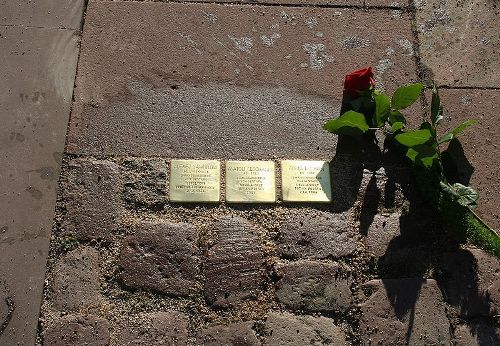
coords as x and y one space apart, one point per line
436 108
456 131
424 155
396 116
460 128
406 95
382 109
397 126
350 122
467 196
463 195
412 138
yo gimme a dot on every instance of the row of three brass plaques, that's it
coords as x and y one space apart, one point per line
249 181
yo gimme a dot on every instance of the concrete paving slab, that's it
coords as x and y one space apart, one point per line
38 13
478 155
217 81
460 41
36 74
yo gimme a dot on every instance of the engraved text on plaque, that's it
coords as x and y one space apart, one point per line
194 181
250 182
306 181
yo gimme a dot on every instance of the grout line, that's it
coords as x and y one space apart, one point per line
38 27
448 87
285 4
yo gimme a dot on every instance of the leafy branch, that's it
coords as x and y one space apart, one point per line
369 110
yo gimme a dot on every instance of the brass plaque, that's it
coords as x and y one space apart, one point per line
250 182
306 181
194 181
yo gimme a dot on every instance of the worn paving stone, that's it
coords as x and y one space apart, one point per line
76 280
404 312
234 334
321 235
92 196
36 82
460 41
286 329
46 14
233 268
162 256
156 329
144 184
313 286
471 282
78 330
478 156
206 80
477 334
382 230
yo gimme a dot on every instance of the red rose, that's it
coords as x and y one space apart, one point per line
359 80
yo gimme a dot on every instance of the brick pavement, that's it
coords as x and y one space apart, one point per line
158 81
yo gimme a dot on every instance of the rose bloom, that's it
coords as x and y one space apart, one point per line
359 80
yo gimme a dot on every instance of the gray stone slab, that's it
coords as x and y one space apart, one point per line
214 81
459 41
39 13
36 82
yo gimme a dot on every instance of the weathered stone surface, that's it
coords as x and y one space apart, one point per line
459 41
321 235
404 312
156 329
285 329
259 77
76 280
6 306
145 183
234 264
477 334
478 156
48 14
78 330
92 196
382 230
471 282
313 286
234 334
162 256
36 83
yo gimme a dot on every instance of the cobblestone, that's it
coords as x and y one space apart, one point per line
313 286
89 215
161 256
234 266
76 280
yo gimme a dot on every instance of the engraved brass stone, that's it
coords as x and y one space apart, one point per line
194 181
250 182
306 181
